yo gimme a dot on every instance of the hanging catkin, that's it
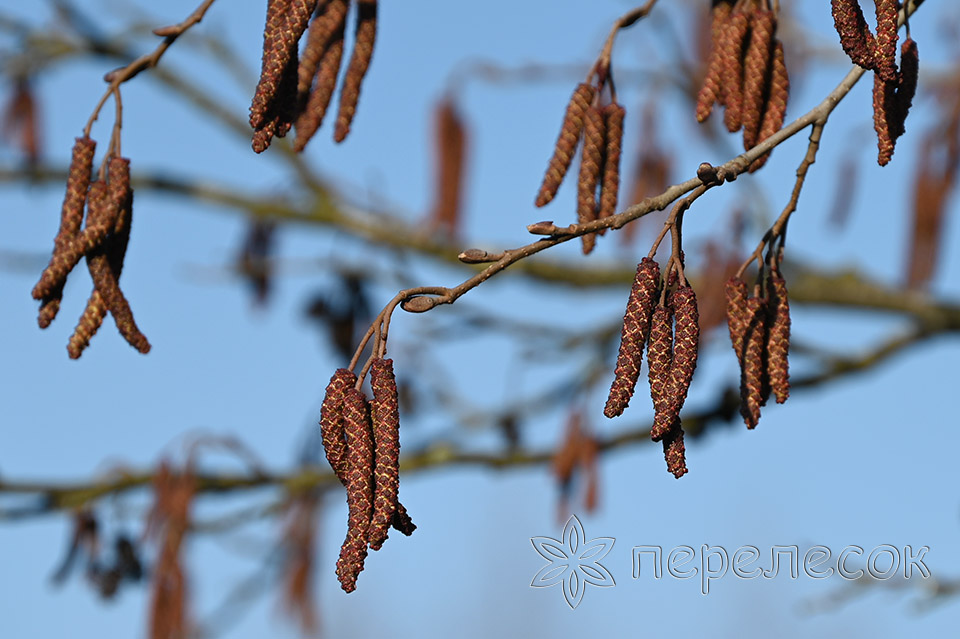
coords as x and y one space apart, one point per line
566 145
591 164
359 448
366 35
386 436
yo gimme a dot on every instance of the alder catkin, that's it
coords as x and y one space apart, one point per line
885 52
737 321
633 336
591 160
753 379
776 108
731 70
884 117
674 452
659 361
330 19
386 437
614 115
855 36
311 118
566 145
366 35
686 345
757 64
450 140
359 448
272 63
331 421
712 90
906 83
778 338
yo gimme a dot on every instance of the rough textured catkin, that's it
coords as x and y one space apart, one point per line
386 437
753 379
712 90
366 35
633 336
884 117
272 63
906 83
776 109
610 183
757 64
315 108
731 70
659 360
885 53
855 36
686 345
331 421
674 451
402 521
737 321
591 161
778 338
330 18
359 443
566 142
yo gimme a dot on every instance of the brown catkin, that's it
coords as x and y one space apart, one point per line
272 63
906 84
885 53
686 345
757 65
776 108
736 292
753 380
315 107
359 63
71 217
855 36
330 18
633 336
731 70
359 447
450 144
884 117
386 437
712 90
614 115
402 521
778 338
331 421
674 452
659 360
573 121
591 163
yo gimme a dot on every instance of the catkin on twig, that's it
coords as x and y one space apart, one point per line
659 360
633 336
566 145
906 83
331 421
366 35
855 36
614 115
329 29
731 72
757 64
386 436
330 18
885 53
450 140
778 338
712 89
273 62
686 345
776 109
359 443
591 161
884 117
736 292
753 380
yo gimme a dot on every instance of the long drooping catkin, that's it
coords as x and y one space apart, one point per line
573 121
855 36
386 437
315 106
778 338
712 89
884 116
331 17
776 109
359 447
591 163
366 35
757 65
331 421
906 83
450 140
753 380
71 218
659 360
273 62
614 115
686 345
737 321
885 53
731 72
633 336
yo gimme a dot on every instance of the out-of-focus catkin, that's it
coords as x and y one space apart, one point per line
566 146
712 90
776 107
731 72
757 64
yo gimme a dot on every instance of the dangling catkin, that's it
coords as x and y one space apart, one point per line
737 321
331 421
686 345
566 146
757 64
366 35
712 89
311 118
273 62
884 117
776 109
753 380
674 452
386 436
614 115
359 447
778 338
885 53
855 36
591 160
731 71
906 83
659 360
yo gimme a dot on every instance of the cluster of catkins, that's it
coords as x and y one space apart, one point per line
893 88
599 180
760 334
102 240
295 91
746 72
361 439
667 323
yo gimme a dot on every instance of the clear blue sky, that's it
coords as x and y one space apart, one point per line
866 461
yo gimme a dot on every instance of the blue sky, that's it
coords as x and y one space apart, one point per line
865 461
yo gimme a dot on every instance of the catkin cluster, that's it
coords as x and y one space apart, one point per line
598 183
102 240
361 440
760 334
671 333
296 91
746 73
893 88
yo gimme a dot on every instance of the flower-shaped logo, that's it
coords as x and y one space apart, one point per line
574 562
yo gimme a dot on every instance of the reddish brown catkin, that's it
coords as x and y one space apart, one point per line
450 140
776 109
573 121
359 63
614 115
712 89
331 422
884 117
674 452
885 53
778 338
71 218
753 379
633 336
855 36
316 103
402 521
591 161
330 17
359 442
757 65
659 360
272 63
906 84
386 436
736 292
731 71
686 345
96 308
